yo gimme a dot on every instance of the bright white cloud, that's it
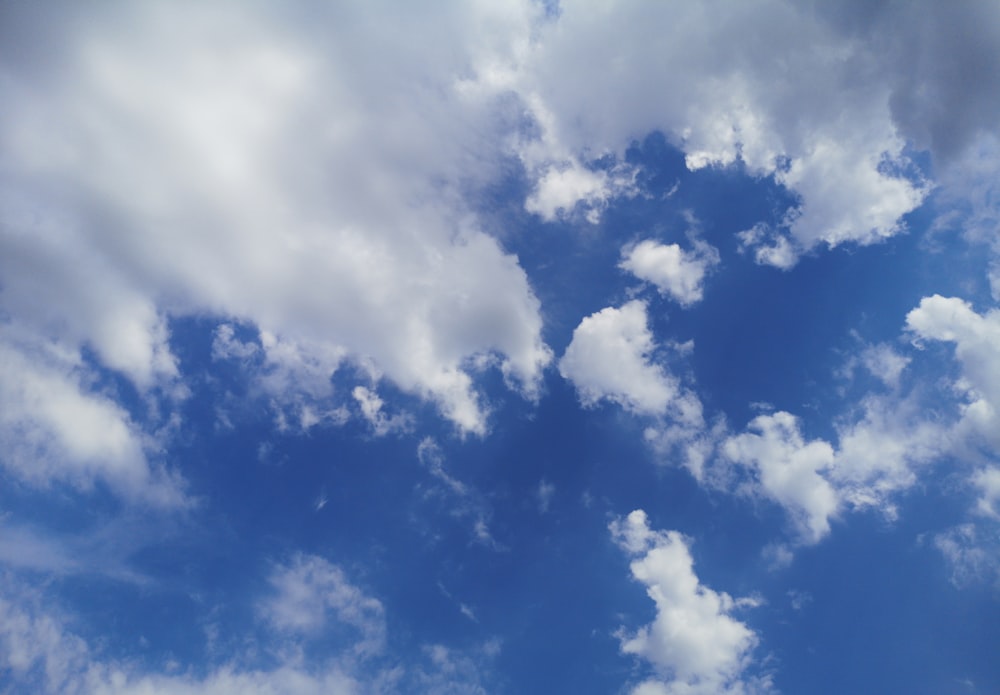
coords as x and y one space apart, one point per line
788 470
675 272
977 347
694 643
611 357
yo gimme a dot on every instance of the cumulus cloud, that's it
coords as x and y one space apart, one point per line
675 272
611 357
977 346
788 470
776 85
176 159
694 643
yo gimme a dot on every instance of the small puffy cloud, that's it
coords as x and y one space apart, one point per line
788 470
694 644
610 357
675 272
309 590
563 189
768 246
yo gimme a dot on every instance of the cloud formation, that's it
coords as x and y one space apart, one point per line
694 643
675 272
611 357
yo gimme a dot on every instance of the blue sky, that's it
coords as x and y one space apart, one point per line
514 347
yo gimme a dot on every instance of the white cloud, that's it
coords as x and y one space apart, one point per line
694 643
563 189
54 427
977 347
611 357
882 450
777 85
788 470
675 272
169 172
308 589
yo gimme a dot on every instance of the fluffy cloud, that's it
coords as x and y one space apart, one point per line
675 272
977 347
610 357
694 643
788 470
176 159
780 86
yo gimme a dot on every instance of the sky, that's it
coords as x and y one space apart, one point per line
508 347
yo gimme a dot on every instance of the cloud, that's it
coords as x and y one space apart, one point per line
675 272
971 551
56 428
371 409
884 363
778 86
967 196
788 470
693 643
987 482
40 651
175 160
309 589
977 347
610 357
